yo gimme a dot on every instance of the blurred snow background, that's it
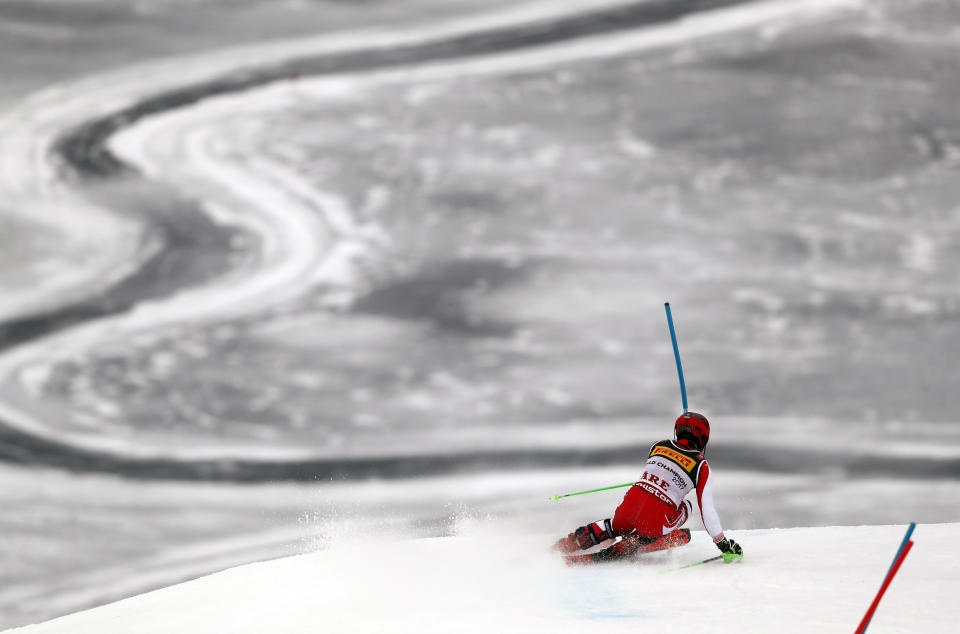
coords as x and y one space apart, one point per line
429 286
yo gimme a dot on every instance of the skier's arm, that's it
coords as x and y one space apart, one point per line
711 521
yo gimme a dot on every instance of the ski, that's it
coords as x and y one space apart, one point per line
625 547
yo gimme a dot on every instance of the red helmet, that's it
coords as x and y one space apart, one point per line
693 427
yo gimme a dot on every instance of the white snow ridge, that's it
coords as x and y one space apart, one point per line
790 580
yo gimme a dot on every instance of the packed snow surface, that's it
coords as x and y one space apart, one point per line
484 580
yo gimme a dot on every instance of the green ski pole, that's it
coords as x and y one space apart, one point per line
696 563
615 486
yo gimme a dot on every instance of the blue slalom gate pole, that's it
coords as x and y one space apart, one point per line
905 547
676 354
903 544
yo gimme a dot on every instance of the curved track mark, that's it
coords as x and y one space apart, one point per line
85 152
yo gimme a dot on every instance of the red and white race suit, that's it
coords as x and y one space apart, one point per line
655 504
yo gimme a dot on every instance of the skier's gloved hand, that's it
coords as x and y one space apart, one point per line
731 550
592 534
585 537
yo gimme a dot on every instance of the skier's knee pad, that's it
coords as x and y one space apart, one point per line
592 534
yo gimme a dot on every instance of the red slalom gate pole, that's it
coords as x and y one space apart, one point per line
886 582
903 544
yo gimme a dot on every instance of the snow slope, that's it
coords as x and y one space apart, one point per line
482 580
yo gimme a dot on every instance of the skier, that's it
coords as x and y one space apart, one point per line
654 508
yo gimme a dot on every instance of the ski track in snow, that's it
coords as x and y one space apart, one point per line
304 234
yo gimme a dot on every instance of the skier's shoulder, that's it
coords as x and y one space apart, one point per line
671 445
687 458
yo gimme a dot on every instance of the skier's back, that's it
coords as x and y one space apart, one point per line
654 508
